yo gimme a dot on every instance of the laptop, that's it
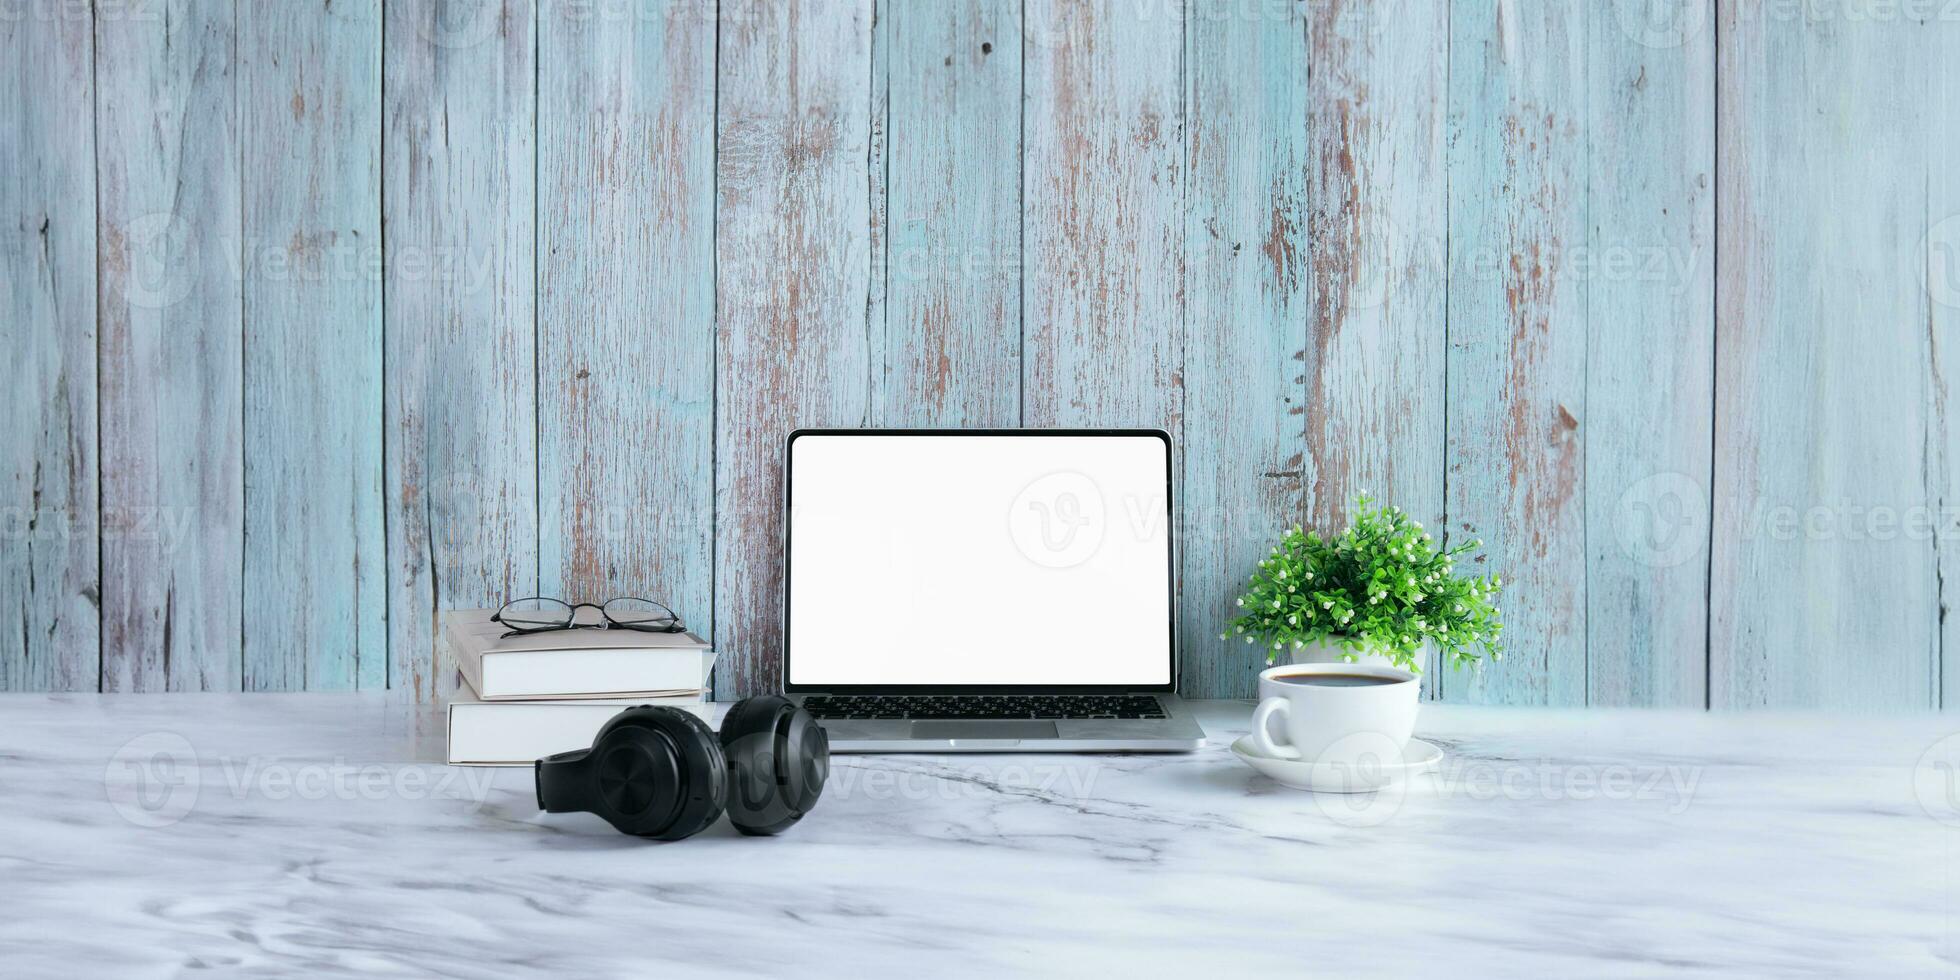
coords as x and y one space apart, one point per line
1001 590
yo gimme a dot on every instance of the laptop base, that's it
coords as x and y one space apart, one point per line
1178 731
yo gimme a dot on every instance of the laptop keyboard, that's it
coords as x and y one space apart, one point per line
899 707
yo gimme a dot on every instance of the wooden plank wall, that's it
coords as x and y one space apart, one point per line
1830 477
459 220
50 566
172 330
315 579
325 317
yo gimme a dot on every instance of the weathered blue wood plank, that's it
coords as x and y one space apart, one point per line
626 305
953 224
1942 272
50 577
461 317
315 577
1374 364
1374 373
1825 578
172 326
1517 327
1246 242
1650 312
1103 201
793 271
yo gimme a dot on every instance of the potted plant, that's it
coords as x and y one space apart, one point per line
1381 592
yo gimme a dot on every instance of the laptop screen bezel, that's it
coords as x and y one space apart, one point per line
1170 570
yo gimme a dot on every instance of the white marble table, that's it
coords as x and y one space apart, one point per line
316 834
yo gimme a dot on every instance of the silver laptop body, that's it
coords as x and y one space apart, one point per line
1024 577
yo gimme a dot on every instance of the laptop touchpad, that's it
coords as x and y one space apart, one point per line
983 729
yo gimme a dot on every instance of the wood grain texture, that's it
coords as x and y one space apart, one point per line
626 305
315 576
172 328
952 334
1517 316
459 228
50 575
1374 370
1650 312
1374 365
1824 584
1941 271
1471 257
1246 292
1103 193
793 264
877 179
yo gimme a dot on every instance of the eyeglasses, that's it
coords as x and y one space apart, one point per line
538 614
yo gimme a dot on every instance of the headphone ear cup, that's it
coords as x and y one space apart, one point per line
653 772
778 760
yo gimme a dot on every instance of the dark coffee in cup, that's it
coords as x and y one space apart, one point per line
1335 680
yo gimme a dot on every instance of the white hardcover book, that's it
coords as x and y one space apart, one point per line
518 733
599 664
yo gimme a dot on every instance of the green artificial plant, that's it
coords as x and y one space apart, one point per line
1381 587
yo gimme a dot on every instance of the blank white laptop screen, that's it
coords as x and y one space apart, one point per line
991 559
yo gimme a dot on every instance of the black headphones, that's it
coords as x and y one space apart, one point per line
663 773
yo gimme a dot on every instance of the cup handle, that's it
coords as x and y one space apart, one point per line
1263 741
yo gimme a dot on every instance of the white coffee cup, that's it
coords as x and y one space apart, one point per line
1325 723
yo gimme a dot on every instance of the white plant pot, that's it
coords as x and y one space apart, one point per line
1333 652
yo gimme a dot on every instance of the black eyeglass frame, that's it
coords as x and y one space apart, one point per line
606 621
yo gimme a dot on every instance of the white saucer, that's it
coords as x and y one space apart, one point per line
1418 756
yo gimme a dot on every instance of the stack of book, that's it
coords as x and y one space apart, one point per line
526 697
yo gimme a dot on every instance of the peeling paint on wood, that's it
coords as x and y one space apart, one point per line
1103 188
1373 365
315 578
952 269
1518 335
793 265
1247 222
460 201
49 571
626 308
172 326
1650 309
1246 247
